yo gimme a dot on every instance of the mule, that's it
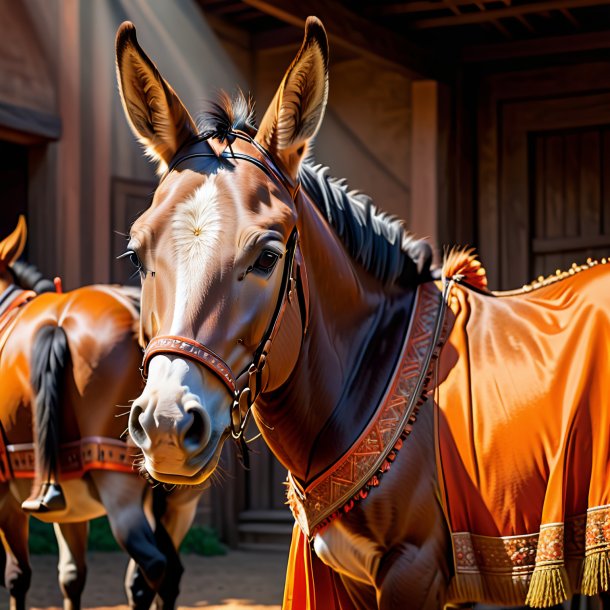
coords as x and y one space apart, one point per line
68 369
271 291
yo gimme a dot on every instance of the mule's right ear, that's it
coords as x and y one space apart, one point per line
12 247
155 113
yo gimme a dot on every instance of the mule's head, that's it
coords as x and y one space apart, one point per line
11 249
215 251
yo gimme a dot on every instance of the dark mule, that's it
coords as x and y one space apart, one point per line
67 362
269 289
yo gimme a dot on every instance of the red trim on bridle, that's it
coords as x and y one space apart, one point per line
170 344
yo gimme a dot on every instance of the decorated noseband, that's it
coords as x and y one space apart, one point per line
243 390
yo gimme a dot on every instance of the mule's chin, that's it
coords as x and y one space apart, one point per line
195 471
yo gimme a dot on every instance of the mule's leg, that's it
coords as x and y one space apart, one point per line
122 496
140 595
174 513
14 524
72 566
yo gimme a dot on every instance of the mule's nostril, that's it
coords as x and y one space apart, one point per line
136 430
197 434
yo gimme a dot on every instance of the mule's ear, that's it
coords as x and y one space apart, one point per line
155 113
295 114
12 247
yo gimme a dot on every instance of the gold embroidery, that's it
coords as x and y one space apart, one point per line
598 529
501 569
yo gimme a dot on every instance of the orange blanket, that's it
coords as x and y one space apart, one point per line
523 421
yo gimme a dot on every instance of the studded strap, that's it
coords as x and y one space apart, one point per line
168 344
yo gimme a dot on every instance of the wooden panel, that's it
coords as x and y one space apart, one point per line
569 203
568 129
606 181
590 181
264 480
571 172
497 93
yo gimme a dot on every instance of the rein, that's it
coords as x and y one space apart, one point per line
247 386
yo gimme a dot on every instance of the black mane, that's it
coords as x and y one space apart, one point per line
28 277
377 240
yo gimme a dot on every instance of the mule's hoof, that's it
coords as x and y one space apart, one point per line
49 499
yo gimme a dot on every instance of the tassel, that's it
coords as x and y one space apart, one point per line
549 586
595 573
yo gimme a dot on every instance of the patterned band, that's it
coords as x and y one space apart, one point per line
75 458
334 492
169 344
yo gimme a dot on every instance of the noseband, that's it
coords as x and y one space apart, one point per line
244 388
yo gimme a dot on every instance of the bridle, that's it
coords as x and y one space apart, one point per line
247 386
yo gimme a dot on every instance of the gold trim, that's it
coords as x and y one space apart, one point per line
542 282
542 568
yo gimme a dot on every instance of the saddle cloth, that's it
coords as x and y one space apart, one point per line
523 430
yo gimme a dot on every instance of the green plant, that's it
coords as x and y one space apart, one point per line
199 540
202 540
42 538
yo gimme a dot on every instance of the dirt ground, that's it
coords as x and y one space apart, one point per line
237 581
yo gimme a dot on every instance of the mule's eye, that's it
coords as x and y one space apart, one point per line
135 261
266 262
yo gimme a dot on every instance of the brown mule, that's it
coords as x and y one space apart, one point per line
445 445
69 365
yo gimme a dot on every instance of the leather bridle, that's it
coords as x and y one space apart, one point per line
246 387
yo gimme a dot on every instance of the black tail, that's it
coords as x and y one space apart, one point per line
50 355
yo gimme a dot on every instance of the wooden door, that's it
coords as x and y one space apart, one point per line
264 518
13 185
544 179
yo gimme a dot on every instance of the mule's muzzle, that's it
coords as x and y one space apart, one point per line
170 437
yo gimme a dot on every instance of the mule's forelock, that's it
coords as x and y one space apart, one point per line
228 114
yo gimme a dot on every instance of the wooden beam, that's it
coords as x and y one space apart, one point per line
358 34
566 13
552 45
551 245
423 6
39 125
280 38
502 13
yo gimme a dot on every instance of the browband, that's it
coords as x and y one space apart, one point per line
222 149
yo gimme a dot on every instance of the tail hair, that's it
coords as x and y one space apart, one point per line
50 355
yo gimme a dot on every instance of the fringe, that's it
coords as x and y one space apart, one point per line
549 586
506 589
596 573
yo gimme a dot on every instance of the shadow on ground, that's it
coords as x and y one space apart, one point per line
238 580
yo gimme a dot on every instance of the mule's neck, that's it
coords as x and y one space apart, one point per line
348 309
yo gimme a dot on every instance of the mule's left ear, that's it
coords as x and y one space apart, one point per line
12 247
295 114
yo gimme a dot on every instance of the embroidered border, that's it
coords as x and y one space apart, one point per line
366 460
488 566
75 458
